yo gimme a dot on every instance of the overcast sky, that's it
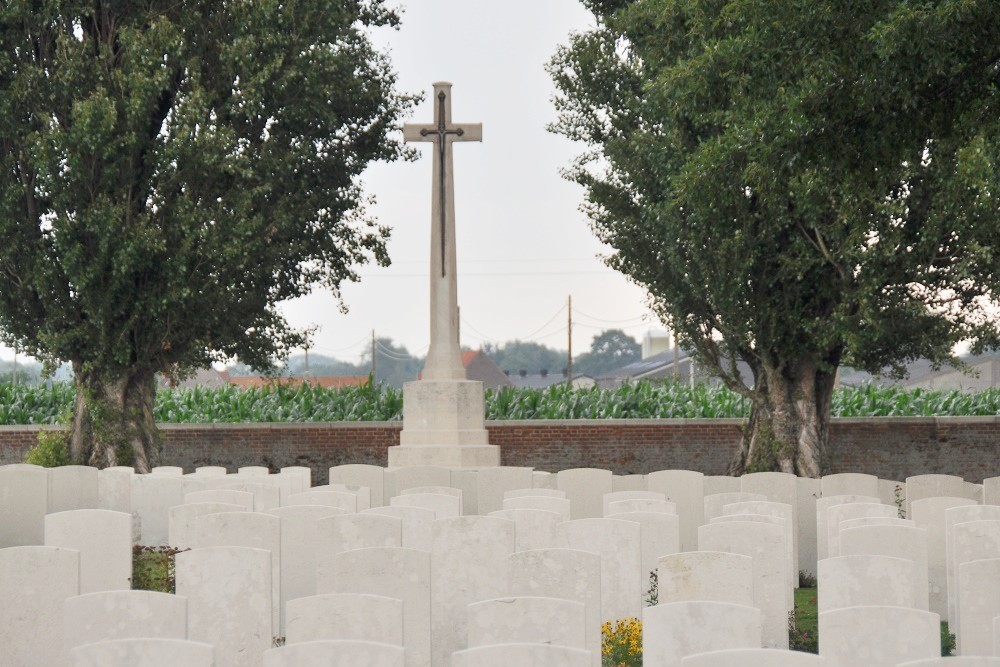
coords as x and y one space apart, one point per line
523 245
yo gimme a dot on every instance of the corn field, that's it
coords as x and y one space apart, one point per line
50 405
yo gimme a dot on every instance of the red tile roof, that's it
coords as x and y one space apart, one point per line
325 381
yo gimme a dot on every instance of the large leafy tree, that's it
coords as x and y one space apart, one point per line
796 184
610 349
169 172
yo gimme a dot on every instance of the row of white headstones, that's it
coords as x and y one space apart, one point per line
433 567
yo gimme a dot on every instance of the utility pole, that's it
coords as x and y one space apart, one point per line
677 357
373 356
14 371
569 334
305 372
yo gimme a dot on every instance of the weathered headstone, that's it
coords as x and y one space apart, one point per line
753 657
403 574
24 494
615 496
444 506
567 574
807 492
659 536
357 616
928 513
72 488
359 474
823 506
152 498
849 484
678 629
339 499
979 604
35 583
123 615
181 520
228 590
560 506
714 503
335 653
856 636
144 653
619 544
865 581
104 540
707 576
533 529
900 541
227 496
114 489
686 489
953 516
585 489
506 655
529 620
847 511
418 524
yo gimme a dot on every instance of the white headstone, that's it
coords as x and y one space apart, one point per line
255 530
359 474
979 604
35 582
227 496
299 550
24 493
468 564
560 506
363 493
768 546
104 540
529 620
778 487
928 513
72 488
253 471
517 493
847 511
228 590
678 629
417 524
345 532
339 499
865 581
753 657
444 506
357 616
641 505
721 484
808 491
466 482
686 489
585 489
129 614
878 636
398 479
543 480
628 483
181 521
533 529
507 655
849 484
169 471
566 574
210 471
335 653
919 487
708 576
114 489
302 473
144 653
968 661
615 496
152 498
892 492
991 491
973 540
659 536
393 572
953 516
713 504
823 506
891 540
266 494
619 544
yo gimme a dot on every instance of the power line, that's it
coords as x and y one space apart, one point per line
598 319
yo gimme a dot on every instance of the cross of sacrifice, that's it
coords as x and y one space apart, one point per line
444 356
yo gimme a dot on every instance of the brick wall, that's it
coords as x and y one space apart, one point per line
892 447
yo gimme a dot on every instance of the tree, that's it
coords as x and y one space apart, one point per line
795 185
169 172
610 349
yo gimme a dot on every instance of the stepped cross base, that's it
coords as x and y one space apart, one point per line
444 425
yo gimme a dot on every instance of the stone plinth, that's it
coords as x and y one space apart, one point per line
444 425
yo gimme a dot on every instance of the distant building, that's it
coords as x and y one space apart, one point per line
544 379
478 366
663 367
324 381
920 374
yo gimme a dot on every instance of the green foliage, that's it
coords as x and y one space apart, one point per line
302 403
528 356
170 172
948 643
51 451
652 597
794 184
609 350
803 623
153 568
621 643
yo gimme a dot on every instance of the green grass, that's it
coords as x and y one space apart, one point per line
42 405
153 568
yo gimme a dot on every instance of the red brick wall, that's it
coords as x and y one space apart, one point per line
892 448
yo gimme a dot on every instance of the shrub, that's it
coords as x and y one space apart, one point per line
51 451
621 643
153 568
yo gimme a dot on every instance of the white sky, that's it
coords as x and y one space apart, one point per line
523 245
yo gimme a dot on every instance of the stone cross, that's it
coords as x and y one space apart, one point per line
444 357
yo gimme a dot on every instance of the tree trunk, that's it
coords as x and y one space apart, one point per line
113 421
789 421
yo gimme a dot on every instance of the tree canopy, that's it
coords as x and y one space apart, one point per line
795 184
169 172
610 349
